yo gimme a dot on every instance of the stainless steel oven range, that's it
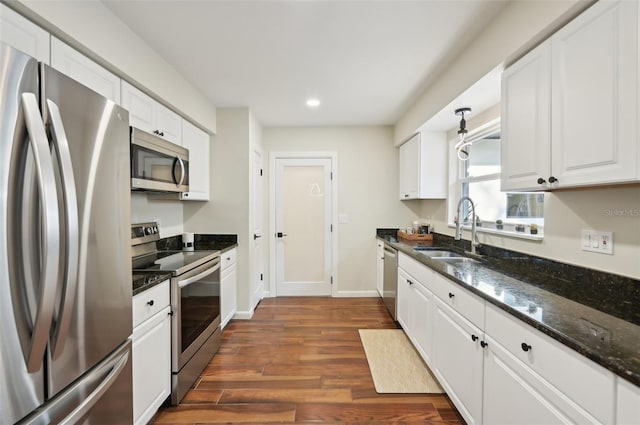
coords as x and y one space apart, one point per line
195 303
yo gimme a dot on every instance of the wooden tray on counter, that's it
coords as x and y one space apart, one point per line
415 236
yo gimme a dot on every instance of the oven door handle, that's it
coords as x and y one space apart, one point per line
187 282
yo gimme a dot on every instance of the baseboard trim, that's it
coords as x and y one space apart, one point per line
243 315
358 294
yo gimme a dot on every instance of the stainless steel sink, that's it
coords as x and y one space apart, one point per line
437 253
457 260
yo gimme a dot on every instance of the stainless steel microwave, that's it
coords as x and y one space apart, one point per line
158 165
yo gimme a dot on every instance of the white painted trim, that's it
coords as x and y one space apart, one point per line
243 315
333 156
358 294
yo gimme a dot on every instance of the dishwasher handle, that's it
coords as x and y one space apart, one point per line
390 252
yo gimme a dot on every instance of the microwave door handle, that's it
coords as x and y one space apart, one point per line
182 171
51 231
173 170
61 144
189 281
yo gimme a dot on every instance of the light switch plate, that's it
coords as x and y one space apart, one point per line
597 241
343 218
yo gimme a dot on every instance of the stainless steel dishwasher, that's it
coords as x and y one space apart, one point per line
390 282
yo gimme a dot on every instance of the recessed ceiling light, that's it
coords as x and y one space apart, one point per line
313 102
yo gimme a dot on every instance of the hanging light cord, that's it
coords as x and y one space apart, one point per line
463 155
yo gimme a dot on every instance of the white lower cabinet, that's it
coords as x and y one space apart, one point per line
151 358
228 303
497 369
416 305
628 403
457 360
515 394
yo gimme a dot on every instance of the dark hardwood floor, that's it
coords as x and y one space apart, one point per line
300 361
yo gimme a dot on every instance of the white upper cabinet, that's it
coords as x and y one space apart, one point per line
24 35
149 115
85 71
422 167
593 73
526 121
197 141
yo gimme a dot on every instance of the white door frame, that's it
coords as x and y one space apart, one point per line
273 156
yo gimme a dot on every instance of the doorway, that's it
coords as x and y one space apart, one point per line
303 232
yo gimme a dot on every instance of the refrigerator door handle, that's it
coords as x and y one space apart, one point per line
34 354
117 366
70 202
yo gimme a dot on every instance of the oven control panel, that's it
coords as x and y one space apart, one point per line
144 232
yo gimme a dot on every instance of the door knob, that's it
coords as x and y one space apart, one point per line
552 179
280 234
256 236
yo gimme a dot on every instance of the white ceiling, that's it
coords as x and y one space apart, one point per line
366 61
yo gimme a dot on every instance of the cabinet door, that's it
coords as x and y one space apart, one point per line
85 71
403 300
514 393
149 115
526 121
423 308
227 294
433 165
24 35
379 267
594 86
197 141
140 106
457 361
168 124
151 365
628 403
410 168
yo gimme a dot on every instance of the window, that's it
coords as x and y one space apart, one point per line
479 179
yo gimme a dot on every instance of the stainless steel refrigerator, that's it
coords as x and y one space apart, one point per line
65 266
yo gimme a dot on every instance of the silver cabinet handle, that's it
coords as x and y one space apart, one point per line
51 240
71 231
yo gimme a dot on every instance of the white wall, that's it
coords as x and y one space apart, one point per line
93 29
148 207
516 28
367 179
228 208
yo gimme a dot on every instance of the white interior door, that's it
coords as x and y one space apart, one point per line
303 226
257 218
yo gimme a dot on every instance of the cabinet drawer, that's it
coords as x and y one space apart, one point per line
417 270
149 302
464 302
227 258
556 363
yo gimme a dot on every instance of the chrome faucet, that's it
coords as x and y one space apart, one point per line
474 237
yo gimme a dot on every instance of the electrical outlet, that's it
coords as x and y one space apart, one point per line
596 241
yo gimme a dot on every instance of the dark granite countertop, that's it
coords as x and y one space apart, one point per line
142 281
563 317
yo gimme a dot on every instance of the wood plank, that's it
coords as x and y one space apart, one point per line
228 413
270 395
361 413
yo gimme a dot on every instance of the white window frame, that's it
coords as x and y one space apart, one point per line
456 179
